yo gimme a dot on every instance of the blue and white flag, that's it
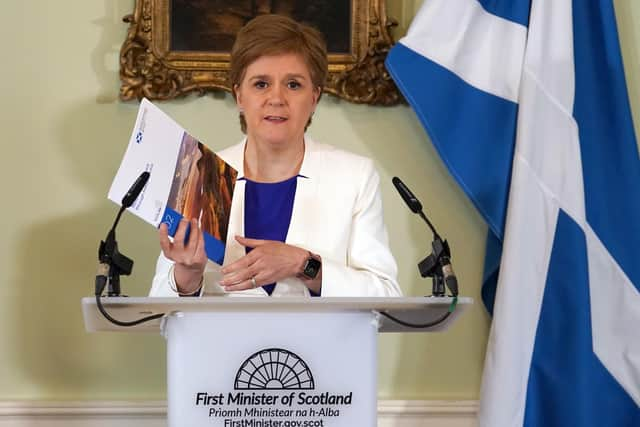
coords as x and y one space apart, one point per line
526 102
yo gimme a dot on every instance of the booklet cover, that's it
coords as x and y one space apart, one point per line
187 179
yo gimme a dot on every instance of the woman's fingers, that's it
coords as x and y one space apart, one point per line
190 252
244 285
165 243
178 238
201 253
251 243
268 262
240 273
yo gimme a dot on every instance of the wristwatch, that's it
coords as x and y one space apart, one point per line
311 267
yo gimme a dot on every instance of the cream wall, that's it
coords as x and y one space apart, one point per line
64 133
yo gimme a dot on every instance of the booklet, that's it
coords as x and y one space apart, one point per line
187 179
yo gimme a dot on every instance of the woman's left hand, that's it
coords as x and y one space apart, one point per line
268 262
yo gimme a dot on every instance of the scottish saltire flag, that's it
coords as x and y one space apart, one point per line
526 102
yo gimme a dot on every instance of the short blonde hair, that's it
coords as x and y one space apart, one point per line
268 35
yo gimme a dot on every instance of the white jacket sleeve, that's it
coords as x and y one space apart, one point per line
160 285
370 268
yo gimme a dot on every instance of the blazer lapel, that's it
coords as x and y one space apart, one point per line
303 215
234 156
234 250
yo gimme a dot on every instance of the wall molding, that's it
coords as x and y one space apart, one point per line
391 413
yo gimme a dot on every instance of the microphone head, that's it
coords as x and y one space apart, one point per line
406 194
135 190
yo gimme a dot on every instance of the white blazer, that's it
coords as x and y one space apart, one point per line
337 214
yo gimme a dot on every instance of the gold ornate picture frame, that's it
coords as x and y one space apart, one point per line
176 47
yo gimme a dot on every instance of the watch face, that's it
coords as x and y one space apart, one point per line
311 268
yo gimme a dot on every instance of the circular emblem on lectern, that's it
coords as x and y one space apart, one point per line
274 369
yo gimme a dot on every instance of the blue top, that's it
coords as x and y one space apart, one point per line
267 211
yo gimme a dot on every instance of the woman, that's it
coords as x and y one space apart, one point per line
306 218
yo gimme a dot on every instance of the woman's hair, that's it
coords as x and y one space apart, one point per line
268 35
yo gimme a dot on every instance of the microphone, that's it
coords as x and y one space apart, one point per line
438 264
131 196
112 264
406 194
413 203
135 190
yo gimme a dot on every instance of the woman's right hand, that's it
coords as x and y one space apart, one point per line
189 257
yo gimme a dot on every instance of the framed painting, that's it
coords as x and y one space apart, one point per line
177 47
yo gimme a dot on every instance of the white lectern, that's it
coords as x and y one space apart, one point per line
244 361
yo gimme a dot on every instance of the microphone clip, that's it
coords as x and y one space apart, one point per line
112 264
432 265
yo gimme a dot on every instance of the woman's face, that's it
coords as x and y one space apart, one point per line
277 97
